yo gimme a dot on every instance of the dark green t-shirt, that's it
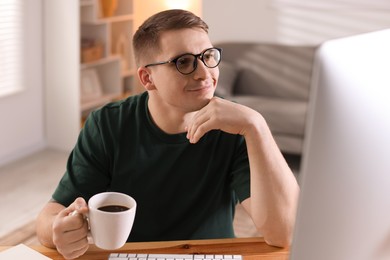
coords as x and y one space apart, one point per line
183 190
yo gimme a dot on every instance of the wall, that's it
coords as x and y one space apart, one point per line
245 20
21 114
145 8
62 77
293 21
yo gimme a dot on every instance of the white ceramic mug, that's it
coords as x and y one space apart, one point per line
110 230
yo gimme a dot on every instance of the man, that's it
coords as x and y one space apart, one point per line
186 156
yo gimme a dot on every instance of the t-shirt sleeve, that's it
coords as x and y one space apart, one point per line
240 174
87 170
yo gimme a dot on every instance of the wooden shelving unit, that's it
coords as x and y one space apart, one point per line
114 67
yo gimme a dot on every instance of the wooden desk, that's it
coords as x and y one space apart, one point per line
250 248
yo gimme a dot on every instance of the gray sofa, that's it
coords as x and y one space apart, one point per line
272 79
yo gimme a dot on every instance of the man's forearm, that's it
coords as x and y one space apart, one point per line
44 223
274 190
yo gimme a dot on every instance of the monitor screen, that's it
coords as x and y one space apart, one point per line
344 206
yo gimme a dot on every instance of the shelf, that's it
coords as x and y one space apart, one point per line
98 102
127 73
115 69
113 19
100 62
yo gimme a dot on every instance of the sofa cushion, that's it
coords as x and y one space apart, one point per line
275 70
227 78
284 116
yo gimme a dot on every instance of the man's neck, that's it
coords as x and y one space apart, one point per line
168 119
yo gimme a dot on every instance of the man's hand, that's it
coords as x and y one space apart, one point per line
70 230
223 115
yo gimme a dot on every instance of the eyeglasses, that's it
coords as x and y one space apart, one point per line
187 63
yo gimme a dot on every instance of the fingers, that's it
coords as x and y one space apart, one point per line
70 230
198 128
79 205
73 243
74 250
205 120
224 115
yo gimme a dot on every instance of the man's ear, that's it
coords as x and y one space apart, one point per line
145 77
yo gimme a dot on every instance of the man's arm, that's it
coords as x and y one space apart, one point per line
64 228
274 190
45 222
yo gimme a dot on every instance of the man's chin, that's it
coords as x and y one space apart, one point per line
196 106
200 102
204 103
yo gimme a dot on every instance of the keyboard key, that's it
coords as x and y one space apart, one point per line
175 256
116 256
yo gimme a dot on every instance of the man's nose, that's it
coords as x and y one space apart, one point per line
201 71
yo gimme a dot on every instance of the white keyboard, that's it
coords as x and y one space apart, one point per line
171 257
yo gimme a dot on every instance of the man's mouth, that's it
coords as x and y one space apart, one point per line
200 88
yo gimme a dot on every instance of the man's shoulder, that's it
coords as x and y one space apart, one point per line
131 101
126 106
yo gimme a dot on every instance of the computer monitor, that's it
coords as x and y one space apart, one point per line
344 205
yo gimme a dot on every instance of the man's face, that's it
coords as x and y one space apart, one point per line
184 92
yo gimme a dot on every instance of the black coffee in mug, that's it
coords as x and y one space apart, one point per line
113 208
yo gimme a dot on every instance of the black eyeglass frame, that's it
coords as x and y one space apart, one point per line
196 56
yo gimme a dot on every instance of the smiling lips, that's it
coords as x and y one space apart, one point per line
200 88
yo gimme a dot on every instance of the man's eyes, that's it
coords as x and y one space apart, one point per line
184 60
208 56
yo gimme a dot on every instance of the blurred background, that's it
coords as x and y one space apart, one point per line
41 62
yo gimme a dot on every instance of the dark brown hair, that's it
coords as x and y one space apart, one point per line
146 38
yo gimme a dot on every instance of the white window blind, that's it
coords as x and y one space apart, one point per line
11 46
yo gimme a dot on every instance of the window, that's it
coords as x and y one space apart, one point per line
11 46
